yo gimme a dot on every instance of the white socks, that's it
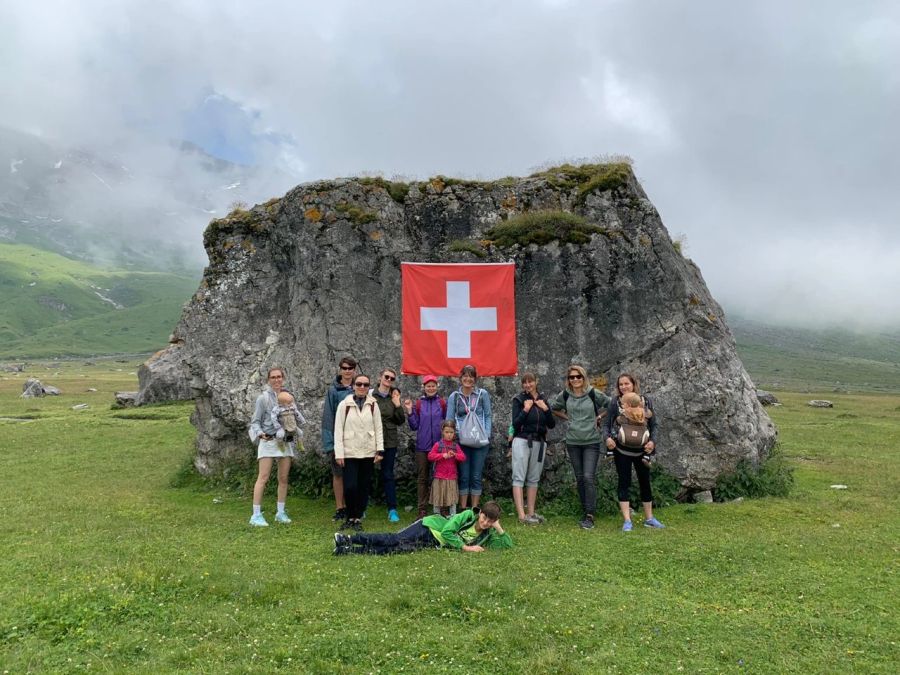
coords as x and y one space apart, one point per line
280 507
257 509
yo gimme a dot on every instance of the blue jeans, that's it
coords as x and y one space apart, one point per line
470 471
584 464
387 477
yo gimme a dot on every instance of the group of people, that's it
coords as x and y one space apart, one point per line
360 423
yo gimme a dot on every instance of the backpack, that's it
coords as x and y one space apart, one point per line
347 411
633 435
593 394
471 431
439 398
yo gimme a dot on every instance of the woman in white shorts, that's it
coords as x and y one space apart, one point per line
269 449
531 418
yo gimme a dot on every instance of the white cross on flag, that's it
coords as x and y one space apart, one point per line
456 315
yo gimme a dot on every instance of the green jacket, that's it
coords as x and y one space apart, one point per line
447 532
391 417
582 429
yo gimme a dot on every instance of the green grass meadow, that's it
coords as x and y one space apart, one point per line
53 306
108 567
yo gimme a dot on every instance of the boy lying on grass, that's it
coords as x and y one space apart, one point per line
473 530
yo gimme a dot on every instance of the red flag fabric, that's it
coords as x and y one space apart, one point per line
455 315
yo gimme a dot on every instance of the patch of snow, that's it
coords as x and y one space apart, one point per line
109 300
232 186
14 165
58 164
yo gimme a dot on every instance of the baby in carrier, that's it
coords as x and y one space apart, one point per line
633 431
286 419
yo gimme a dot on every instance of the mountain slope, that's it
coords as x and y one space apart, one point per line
53 306
800 358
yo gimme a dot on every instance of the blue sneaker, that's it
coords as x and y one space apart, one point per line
626 526
282 517
258 521
393 517
653 522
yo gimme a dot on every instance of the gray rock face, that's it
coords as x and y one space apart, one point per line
163 377
301 281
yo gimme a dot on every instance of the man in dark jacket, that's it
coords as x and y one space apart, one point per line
337 391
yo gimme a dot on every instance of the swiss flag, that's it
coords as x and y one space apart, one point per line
455 315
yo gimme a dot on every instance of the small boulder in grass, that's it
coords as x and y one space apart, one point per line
51 391
766 397
704 497
816 403
80 406
126 399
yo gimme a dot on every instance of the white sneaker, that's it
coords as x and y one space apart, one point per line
259 521
282 517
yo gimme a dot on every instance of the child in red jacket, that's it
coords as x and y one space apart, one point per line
446 454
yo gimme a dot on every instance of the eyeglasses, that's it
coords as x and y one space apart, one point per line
576 377
360 384
389 378
347 368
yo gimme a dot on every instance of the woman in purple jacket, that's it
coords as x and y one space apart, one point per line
425 419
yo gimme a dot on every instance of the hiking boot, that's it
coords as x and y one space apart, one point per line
587 523
346 525
341 539
340 514
530 520
653 522
626 526
393 517
282 517
258 520
539 517
356 526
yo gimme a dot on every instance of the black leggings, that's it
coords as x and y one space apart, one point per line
412 538
357 484
623 468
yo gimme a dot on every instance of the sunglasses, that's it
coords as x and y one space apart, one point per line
576 377
389 378
347 368
360 384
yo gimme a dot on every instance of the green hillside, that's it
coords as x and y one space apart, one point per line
53 306
804 359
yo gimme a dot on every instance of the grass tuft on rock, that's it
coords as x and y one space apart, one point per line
467 246
356 214
541 228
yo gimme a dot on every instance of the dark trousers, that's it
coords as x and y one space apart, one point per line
584 463
623 469
423 480
388 482
357 483
412 538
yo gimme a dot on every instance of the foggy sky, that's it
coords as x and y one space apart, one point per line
766 133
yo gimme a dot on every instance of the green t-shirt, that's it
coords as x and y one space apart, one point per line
582 429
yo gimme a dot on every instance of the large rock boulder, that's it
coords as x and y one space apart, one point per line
303 280
163 377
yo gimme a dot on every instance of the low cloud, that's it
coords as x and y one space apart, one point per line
765 132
